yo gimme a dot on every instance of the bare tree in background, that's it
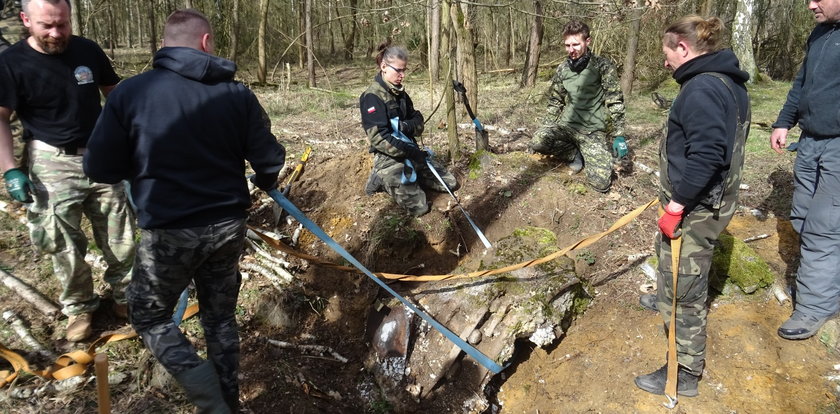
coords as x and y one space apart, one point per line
629 73
234 28
532 62
261 70
742 37
434 39
350 41
310 54
75 18
462 21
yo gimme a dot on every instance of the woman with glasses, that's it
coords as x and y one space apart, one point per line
400 166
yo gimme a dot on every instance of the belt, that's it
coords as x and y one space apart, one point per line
66 150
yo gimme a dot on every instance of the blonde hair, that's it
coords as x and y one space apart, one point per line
703 35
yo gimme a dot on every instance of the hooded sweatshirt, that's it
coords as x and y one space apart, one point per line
702 125
181 134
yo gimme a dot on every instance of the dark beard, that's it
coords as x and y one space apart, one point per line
55 47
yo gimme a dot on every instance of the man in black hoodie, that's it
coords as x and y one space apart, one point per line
700 164
812 103
181 134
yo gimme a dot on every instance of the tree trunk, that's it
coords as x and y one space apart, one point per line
628 76
448 93
153 39
511 55
301 29
261 64
350 41
434 39
467 71
234 28
742 37
707 8
76 18
532 62
310 54
330 27
188 4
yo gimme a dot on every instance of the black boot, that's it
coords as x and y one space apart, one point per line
201 384
655 382
374 184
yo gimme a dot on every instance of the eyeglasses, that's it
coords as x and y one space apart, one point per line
400 71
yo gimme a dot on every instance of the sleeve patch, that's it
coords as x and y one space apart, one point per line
371 110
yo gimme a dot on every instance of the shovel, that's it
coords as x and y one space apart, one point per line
482 141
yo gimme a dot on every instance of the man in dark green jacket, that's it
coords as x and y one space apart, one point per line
585 103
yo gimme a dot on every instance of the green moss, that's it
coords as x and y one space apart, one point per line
474 166
736 263
578 188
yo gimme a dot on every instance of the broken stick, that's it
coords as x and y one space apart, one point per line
320 349
29 294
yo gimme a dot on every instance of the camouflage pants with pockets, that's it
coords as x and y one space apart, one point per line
700 230
167 260
62 195
564 142
411 197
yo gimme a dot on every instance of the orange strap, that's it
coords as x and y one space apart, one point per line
70 364
671 382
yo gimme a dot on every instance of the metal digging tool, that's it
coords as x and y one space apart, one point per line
482 140
294 176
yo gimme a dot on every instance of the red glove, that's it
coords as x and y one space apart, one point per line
669 223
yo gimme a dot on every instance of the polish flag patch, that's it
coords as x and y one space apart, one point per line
371 110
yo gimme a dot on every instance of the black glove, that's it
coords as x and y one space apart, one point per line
265 182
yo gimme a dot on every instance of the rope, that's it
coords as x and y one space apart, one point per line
584 242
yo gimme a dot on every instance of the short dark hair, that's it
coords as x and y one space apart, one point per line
576 27
185 26
703 35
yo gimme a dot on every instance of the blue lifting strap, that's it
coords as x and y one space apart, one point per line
318 232
408 167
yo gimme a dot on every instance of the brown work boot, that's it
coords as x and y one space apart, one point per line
120 310
78 326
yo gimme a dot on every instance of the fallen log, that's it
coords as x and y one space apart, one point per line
29 294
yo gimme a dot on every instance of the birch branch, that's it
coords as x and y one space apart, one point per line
25 335
29 294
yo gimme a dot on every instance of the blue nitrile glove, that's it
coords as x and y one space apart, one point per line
18 185
619 147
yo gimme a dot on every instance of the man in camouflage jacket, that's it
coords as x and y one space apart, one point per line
585 103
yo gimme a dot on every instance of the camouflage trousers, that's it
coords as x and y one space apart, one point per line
412 197
565 142
167 260
62 195
700 230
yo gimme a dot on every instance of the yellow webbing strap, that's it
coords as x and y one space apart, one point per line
671 382
586 241
70 364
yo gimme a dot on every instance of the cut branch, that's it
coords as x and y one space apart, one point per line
29 294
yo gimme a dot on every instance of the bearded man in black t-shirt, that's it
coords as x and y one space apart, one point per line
53 81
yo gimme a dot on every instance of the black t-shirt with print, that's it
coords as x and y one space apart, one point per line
56 97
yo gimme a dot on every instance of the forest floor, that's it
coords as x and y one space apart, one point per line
591 369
